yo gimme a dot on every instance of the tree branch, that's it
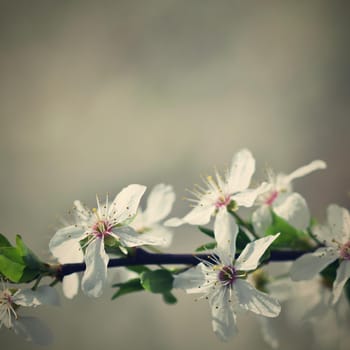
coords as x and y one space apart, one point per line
142 257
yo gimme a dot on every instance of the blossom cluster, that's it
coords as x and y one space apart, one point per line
231 275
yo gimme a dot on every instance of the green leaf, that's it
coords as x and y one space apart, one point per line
130 286
11 263
169 298
329 273
138 268
206 246
19 264
207 231
290 237
158 281
30 259
242 240
4 242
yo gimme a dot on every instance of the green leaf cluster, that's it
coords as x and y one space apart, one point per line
289 237
155 281
18 263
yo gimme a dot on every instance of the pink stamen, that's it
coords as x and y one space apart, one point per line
223 202
345 251
271 198
101 228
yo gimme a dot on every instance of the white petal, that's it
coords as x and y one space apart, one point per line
129 238
125 204
42 295
343 274
95 275
157 231
69 233
268 331
323 234
159 203
339 222
247 198
70 285
292 207
81 211
191 280
199 215
241 171
225 230
262 220
251 299
281 289
223 318
306 169
249 258
34 330
69 252
310 264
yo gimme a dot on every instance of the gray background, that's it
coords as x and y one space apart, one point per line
97 95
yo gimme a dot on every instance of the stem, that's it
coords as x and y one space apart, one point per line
142 257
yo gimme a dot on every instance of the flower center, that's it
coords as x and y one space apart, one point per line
223 201
345 251
271 197
227 275
101 228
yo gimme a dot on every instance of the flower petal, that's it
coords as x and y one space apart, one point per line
262 220
199 215
70 285
305 170
268 331
251 299
129 238
241 171
343 274
292 207
247 198
42 295
124 206
157 231
191 280
69 233
34 330
249 258
223 318
159 203
225 230
95 275
339 223
309 265
81 211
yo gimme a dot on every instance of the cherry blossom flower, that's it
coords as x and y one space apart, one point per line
148 222
222 282
336 239
279 197
219 195
30 328
93 227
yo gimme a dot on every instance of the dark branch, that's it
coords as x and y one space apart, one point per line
142 257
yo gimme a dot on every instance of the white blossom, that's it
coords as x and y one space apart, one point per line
149 222
107 221
279 197
220 194
336 239
30 328
222 282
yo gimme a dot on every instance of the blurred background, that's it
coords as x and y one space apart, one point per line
95 95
